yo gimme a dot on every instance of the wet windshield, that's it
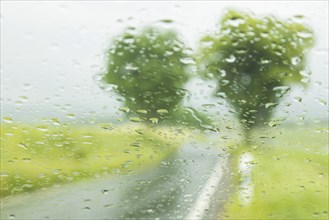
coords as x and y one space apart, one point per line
164 110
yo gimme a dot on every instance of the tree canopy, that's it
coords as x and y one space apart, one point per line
253 59
149 69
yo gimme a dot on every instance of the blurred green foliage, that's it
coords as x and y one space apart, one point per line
149 69
289 176
32 159
253 59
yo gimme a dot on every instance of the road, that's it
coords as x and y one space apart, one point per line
187 185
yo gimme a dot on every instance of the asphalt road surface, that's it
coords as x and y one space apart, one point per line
188 185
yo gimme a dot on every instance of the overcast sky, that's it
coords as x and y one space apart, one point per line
51 50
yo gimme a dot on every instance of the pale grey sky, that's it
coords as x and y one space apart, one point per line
51 50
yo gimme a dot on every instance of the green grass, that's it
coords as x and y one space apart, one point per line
34 157
289 176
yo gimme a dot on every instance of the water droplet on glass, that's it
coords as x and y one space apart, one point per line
4 174
322 101
23 98
162 111
124 109
105 191
298 99
86 135
42 128
306 80
55 121
71 116
22 145
268 105
304 34
130 66
305 72
187 60
7 119
166 21
295 61
141 111
154 120
321 175
281 90
135 144
222 73
230 59
298 18
136 119
235 22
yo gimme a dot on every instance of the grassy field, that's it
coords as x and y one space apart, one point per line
289 177
34 157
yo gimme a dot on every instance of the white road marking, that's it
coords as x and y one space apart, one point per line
203 200
246 187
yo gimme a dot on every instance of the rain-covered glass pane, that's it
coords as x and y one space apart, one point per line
164 110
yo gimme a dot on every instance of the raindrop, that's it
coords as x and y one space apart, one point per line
23 98
305 72
230 59
268 105
321 101
225 82
86 135
136 144
136 119
162 111
321 175
207 44
150 211
264 61
222 73
55 121
306 80
71 116
298 99
42 128
281 90
124 109
298 18
235 22
304 34
26 159
295 61
187 60
154 120
105 191
22 145
129 66
141 111
4 174
166 21
221 95
7 119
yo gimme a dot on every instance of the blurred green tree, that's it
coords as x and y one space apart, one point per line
253 60
149 68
